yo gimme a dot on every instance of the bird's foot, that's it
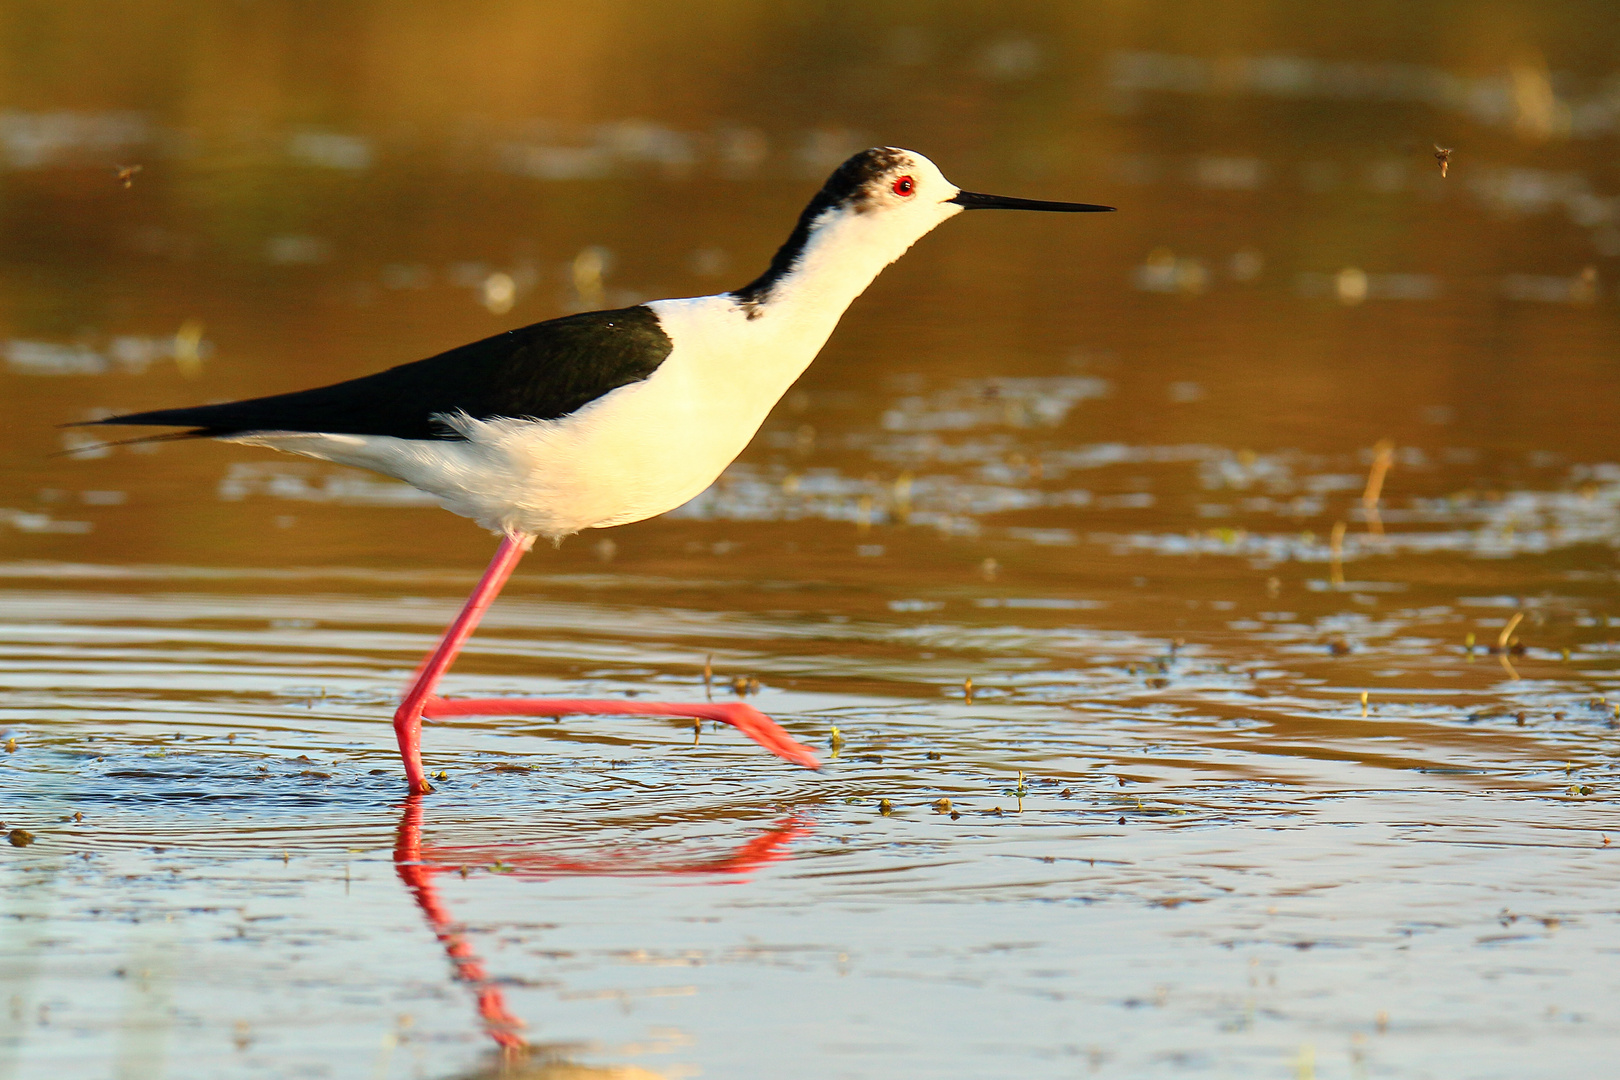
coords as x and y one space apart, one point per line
744 717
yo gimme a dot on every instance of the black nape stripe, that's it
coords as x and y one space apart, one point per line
539 372
845 187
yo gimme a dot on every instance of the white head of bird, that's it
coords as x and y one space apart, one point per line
870 211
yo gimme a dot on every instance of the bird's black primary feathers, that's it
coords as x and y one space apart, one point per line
540 372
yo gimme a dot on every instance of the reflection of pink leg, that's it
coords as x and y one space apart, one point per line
419 700
416 864
500 1024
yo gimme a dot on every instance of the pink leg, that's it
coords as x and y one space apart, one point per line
419 700
408 717
745 718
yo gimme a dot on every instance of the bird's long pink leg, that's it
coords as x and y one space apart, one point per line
408 717
744 717
420 701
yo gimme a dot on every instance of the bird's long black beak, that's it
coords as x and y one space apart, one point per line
974 200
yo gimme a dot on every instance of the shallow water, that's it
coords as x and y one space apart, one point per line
1256 775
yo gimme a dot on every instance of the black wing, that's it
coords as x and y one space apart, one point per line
541 372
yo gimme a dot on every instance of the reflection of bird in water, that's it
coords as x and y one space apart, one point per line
417 865
606 417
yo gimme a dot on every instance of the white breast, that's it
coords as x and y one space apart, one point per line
635 452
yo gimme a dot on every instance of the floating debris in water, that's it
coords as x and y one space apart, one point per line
1504 638
1383 458
1022 789
20 837
1336 555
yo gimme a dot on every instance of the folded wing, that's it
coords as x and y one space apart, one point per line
542 372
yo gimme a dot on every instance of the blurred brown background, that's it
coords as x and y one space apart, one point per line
326 189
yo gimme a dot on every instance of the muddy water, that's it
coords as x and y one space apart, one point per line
1214 602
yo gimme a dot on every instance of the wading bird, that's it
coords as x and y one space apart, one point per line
606 417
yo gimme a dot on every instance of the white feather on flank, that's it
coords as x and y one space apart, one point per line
647 447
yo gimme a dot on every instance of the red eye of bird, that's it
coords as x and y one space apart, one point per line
905 186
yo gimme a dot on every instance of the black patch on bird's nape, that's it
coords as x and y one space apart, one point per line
539 372
850 186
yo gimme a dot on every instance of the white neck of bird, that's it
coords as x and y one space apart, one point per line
843 255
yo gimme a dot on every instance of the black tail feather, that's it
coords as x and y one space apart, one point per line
540 372
171 436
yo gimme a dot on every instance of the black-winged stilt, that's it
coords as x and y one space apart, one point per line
607 417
